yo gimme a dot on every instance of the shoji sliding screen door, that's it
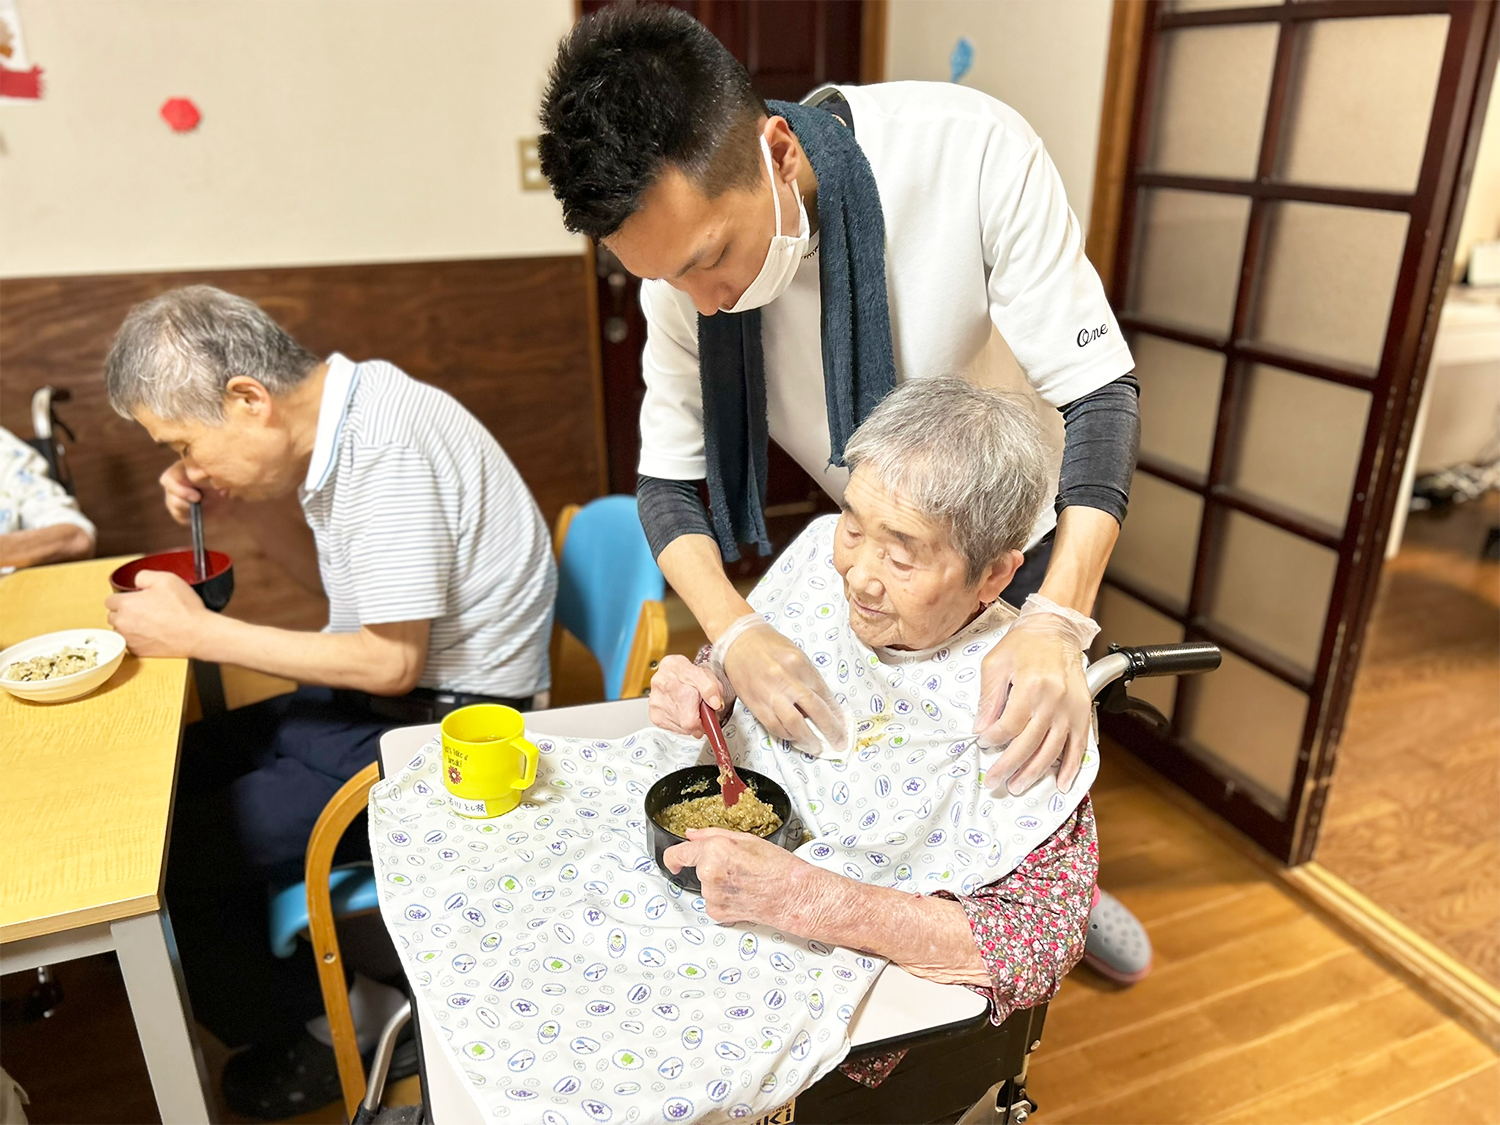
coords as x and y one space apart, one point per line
1295 178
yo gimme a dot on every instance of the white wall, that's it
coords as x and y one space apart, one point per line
333 132
1044 58
1481 222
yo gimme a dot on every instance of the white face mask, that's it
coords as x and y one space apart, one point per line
782 256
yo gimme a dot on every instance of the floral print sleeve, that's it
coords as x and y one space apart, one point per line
1029 927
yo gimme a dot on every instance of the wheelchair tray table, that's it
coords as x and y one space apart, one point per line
898 1008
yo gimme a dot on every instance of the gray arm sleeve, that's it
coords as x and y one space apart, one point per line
1102 438
670 509
1099 449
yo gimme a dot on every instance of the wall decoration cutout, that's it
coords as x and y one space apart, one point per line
181 114
19 80
962 59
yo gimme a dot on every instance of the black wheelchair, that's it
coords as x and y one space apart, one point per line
46 427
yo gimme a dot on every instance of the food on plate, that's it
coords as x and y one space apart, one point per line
749 814
65 662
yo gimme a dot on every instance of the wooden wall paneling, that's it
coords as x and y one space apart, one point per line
510 339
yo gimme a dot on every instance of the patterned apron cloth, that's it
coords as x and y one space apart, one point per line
575 984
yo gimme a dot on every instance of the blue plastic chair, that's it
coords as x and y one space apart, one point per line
609 593
352 889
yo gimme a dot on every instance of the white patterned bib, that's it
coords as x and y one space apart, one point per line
576 984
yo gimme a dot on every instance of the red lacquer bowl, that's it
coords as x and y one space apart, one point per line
214 590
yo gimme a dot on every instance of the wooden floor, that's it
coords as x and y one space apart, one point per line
1257 1011
1413 819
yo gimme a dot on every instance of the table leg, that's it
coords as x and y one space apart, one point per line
163 1017
210 683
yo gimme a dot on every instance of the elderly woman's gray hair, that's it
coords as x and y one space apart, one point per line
972 460
176 353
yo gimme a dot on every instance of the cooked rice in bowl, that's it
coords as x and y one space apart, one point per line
749 814
69 661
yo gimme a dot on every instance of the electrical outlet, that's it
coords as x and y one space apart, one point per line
531 166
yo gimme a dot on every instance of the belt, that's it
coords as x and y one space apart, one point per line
422 705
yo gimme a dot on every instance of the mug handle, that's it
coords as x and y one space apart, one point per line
531 760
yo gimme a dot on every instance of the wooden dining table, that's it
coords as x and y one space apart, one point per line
84 815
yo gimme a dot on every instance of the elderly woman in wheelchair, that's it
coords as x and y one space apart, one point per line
563 967
896 600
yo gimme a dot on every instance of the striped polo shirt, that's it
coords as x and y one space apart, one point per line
419 515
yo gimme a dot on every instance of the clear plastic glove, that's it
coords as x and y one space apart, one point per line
676 690
776 681
1034 700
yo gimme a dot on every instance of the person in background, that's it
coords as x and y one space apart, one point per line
39 522
798 262
440 580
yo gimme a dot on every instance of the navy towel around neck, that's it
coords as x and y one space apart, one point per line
859 367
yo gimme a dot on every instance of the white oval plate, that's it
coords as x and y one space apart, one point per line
108 644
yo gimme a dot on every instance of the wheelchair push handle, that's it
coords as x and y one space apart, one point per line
1172 660
43 399
1151 660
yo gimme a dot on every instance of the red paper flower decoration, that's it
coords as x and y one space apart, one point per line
181 114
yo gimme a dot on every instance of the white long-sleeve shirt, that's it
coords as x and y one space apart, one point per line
980 244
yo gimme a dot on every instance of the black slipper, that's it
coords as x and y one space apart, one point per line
272 1081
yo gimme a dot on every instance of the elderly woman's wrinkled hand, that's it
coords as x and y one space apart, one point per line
676 689
747 879
1034 700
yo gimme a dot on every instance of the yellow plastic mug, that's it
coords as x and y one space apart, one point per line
487 762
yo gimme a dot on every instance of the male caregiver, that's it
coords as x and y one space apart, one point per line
798 261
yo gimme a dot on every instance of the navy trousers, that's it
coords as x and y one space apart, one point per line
251 785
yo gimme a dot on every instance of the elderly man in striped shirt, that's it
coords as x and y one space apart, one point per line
440 581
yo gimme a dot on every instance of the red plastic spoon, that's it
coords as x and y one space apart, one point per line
729 781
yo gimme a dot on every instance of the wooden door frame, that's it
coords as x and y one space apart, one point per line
1127 28
873 15
872 27
1394 384
596 359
